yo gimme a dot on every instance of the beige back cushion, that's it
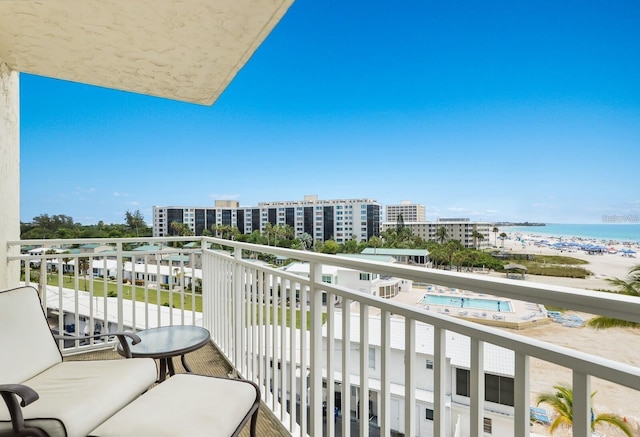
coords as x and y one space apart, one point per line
25 339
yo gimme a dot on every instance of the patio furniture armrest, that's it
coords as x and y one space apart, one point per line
10 394
122 337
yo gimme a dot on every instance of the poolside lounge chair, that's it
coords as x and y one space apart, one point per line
540 415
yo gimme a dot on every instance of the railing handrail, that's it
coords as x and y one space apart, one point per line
588 301
593 302
604 368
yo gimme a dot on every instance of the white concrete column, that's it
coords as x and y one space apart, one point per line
9 173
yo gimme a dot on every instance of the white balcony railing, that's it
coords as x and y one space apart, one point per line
295 336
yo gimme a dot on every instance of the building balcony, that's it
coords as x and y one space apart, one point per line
319 349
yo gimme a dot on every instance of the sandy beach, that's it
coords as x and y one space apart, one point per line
618 344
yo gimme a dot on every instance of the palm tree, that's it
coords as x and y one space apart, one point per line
562 403
83 267
495 235
442 235
306 240
502 237
477 238
65 268
135 221
630 287
268 231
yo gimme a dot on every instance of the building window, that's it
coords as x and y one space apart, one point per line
372 358
487 425
364 276
462 382
429 364
326 279
429 415
497 389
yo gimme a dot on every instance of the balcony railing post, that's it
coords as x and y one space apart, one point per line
120 268
477 387
329 359
521 396
237 310
315 364
439 382
346 367
385 374
363 408
581 404
410 377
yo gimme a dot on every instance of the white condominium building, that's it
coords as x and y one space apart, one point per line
339 220
410 212
461 229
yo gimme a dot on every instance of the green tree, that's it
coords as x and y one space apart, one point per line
66 263
450 250
478 237
495 236
442 235
330 246
350 246
135 221
503 236
374 242
83 268
437 254
306 240
562 403
269 231
181 229
400 223
630 287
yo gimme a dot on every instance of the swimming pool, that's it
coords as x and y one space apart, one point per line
467 302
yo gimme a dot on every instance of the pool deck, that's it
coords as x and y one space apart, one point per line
522 315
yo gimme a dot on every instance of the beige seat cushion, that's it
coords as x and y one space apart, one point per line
77 396
25 336
184 405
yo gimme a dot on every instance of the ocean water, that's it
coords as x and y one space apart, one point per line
621 232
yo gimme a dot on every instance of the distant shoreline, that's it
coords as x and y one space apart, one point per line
621 234
521 224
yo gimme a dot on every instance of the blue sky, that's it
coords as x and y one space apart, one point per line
489 110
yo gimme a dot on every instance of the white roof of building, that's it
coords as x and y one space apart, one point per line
154 269
300 268
497 360
186 50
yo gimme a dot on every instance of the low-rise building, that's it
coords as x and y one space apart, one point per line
461 229
498 368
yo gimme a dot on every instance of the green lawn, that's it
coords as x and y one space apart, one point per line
298 315
152 297
164 297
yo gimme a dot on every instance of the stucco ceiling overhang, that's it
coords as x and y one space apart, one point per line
186 50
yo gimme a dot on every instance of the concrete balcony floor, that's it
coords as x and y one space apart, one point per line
205 361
